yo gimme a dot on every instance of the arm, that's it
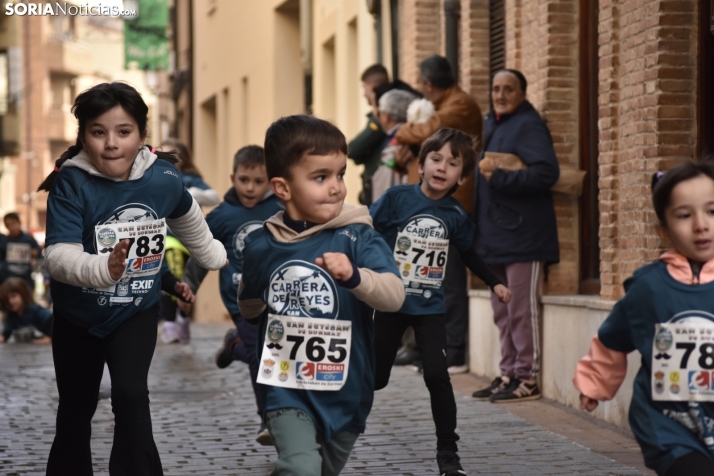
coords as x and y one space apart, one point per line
251 308
68 263
205 198
535 149
193 232
599 374
478 266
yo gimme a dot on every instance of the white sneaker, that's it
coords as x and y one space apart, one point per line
458 369
169 333
183 325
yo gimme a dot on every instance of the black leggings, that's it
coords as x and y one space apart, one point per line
691 464
430 334
79 364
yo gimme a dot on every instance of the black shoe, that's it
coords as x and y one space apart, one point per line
517 391
497 385
224 356
406 357
449 464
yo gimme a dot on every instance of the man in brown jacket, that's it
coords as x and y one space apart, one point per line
457 109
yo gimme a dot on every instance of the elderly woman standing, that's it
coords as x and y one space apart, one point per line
392 113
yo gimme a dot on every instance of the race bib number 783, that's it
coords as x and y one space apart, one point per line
146 244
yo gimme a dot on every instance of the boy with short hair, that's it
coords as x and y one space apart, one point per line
246 205
419 222
20 249
311 278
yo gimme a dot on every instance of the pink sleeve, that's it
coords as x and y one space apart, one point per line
600 373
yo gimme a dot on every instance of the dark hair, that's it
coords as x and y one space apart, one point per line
462 145
519 76
384 88
94 102
376 73
664 183
437 70
289 138
15 285
249 156
11 216
183 154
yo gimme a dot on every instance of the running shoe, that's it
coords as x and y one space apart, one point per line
224 356
264 436
498 384
449 464
517 391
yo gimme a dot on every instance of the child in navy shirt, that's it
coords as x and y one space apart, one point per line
418 223
667 315
20 250
246 205
312 277
21 311
111 199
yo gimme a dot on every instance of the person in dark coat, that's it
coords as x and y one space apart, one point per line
516 231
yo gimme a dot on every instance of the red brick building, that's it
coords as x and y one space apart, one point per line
622 85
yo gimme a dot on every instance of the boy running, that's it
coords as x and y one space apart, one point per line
311 278
246 205
419 222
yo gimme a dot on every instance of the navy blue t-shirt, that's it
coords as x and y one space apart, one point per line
76 203
269 270
661 427
405 209
16 251
230 222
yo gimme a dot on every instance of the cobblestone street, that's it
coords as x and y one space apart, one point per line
205 423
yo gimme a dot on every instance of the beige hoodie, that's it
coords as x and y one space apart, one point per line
381 291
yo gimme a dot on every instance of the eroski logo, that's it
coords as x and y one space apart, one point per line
299 288
241 233
425 226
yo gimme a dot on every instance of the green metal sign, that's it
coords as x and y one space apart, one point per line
145 40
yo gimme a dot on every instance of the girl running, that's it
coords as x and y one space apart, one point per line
111 199
667 315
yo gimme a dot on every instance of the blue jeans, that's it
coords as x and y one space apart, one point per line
301 449
245 352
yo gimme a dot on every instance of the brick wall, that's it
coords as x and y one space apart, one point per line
474 51
647 84
542 42
419 35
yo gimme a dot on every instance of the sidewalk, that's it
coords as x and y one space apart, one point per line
205 421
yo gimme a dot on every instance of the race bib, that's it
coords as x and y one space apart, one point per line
420 259
18 253
305 353
683 362
146 244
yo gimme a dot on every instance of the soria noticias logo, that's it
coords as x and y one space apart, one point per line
64 8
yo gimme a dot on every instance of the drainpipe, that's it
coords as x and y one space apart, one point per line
452 12
306 50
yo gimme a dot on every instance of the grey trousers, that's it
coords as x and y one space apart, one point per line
519 321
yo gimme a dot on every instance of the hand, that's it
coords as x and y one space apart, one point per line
185 307
486 175
117 260
338 265
403 157
2 340
587 403
184 292
503 293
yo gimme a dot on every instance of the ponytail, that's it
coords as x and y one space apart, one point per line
169 156
68 154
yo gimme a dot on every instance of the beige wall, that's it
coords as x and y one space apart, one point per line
248 73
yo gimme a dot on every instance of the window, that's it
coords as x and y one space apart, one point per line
588 114
497 35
